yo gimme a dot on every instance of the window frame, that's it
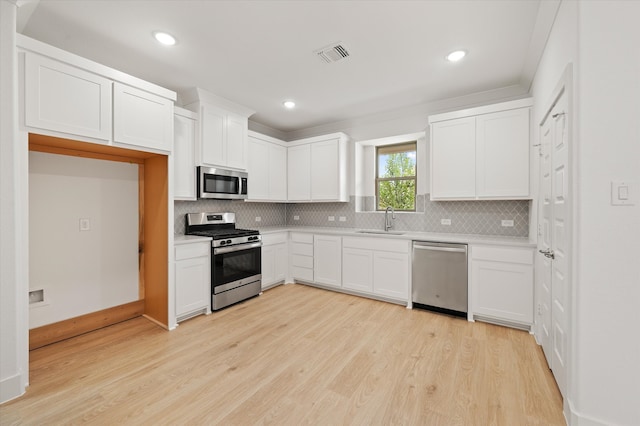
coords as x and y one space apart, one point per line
396 148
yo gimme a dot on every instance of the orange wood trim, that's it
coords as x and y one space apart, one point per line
51 333
156 239
84 154
141 231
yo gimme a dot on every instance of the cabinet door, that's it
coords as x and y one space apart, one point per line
142 119
277 172
327 260
453 159
192 285
184 158
298 174
281 262
391 275
65 99
236 143
502 153
325 170
268 265
357 269
258 169
503 290
212 136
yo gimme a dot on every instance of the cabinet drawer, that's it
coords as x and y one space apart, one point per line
302 273
378 244
189 251
270 239
302 238
303 249
503 254
302 261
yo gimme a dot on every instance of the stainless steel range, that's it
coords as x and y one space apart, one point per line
236 257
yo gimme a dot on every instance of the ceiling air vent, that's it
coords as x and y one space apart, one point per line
332 53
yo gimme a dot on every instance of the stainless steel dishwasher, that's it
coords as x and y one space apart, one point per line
439 277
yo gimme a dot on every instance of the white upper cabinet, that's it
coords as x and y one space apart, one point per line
317 169
141 119
267 168
185 129
453 153
63 98
481 153
71 97
223 130
299 173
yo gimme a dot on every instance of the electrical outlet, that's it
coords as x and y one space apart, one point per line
507 223
332 218
539 309
343 218
445 222
258 219
296 217
36 296
85 224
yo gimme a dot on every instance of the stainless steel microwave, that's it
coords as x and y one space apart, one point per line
221 184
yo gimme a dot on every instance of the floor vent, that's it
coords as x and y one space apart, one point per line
333 53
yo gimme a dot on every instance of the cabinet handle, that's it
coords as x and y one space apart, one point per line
433 248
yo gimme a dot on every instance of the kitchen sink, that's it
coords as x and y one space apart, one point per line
379 231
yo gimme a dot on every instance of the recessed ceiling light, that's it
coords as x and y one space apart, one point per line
165 38
289 104
456 56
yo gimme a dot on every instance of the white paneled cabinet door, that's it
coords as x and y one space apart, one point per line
277 172
325 172
184 170
502 154
268 265
65 99
298 176
327 260
236 142
213 136
281 263
357 269
192 276
453 165
142 119
259 169
391 274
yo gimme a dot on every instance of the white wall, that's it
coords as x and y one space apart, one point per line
602 41
14 355
608 247
81 271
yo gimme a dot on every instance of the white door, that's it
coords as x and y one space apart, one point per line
325 170
453 153
298 173
555 268
258 168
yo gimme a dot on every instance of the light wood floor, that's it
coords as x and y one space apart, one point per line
295 355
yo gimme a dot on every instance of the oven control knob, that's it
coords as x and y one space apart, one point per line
223 243
228 241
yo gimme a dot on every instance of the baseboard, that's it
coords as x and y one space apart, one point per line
11 388
574 418
72 327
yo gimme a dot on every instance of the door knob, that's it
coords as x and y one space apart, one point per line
548 253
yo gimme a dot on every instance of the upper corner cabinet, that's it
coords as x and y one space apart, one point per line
223 131
481 153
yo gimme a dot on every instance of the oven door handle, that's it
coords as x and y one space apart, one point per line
239 247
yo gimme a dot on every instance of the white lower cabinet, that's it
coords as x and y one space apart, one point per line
301 256
274 259
327 260
357 269
377 266
501 282
193 279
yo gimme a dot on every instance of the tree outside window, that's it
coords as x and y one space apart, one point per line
396 176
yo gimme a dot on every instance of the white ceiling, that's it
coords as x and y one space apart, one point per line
259 53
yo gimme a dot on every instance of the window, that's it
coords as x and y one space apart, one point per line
396 176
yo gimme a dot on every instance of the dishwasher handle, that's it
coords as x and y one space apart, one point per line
436 248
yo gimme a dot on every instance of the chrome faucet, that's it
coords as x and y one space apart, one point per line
387 222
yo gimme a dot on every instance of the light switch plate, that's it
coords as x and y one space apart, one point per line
507 222
623 193
85 224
